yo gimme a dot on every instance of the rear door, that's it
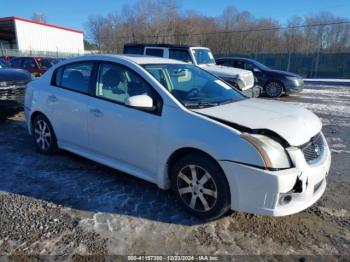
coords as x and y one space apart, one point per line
68 101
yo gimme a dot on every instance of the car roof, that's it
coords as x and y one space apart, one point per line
235 58
159 45
138 59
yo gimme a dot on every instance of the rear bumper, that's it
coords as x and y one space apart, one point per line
265 192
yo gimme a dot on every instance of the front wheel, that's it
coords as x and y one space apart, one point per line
274 89
43 135
201 186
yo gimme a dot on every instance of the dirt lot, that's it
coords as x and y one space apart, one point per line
65 204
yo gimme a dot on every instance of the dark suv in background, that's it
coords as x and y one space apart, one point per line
274 82
12 88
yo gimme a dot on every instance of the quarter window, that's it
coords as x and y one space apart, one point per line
76 77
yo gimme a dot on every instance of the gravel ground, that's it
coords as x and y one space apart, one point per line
67 205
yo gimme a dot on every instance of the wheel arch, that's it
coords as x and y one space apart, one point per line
33 116
180 152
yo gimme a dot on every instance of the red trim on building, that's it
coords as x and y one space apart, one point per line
13 18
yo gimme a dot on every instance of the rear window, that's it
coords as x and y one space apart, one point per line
154 52
75 76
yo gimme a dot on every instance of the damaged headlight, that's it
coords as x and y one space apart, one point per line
272 152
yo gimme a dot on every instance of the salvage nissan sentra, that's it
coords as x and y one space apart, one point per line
180 127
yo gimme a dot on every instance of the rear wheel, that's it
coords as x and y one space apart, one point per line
274 89
201 186
43 135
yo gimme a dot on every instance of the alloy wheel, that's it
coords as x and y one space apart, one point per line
274 89
42 134
197 188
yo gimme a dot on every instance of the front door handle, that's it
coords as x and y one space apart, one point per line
96 112
52 98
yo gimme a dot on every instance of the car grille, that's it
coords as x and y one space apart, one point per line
13 94
313 150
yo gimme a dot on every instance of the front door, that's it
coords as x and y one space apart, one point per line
125 135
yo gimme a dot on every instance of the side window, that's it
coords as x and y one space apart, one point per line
76 76
137 50
155 52
117 83
16 62
29 63
249 66
181 55
239 64
226 63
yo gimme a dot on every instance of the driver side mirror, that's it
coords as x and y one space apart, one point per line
144 102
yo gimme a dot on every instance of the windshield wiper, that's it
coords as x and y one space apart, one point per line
227 102
200 105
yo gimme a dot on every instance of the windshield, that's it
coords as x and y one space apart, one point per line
203 56
192 86
261 66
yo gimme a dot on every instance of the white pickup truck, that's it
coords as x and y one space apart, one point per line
202 57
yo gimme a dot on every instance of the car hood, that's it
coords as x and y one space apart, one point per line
11 74
295 124
224 71
284 73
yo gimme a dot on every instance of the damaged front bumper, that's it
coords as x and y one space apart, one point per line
277 193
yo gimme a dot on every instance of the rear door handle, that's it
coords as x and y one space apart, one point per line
52 98
96 112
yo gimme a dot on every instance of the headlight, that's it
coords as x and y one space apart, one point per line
273 154
232 81
292 78
3 84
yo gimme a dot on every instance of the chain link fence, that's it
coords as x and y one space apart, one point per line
315 65
15 52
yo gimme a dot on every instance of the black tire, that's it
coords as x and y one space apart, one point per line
43 135
201 163
274 89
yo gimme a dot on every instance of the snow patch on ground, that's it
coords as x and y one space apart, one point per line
328 92
335 110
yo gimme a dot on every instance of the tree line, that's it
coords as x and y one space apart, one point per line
160 21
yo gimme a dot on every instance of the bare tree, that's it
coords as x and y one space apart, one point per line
39 17
159 21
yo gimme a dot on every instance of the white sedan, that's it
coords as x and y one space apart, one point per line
180 127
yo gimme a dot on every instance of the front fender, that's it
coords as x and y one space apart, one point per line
186 129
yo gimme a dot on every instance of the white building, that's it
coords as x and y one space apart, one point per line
31 36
